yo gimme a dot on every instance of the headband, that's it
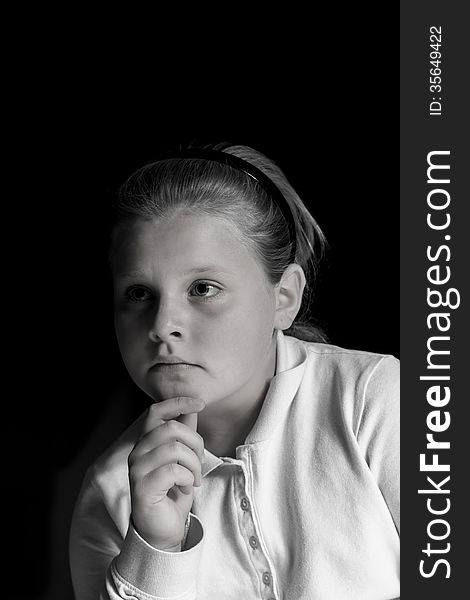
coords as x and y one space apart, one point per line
242 165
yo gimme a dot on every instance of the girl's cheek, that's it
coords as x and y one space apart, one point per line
130 339
131 322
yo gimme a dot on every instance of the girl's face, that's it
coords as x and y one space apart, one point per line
187 288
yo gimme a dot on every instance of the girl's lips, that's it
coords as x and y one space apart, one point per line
171 360
171 366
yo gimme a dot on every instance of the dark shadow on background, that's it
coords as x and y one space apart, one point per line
339 162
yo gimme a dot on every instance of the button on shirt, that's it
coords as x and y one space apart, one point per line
307 509
244 504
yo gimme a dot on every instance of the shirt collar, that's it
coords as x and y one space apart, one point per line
291 357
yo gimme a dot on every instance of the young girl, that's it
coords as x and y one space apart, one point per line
267 463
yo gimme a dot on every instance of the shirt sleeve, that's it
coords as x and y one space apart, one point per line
106 566
378 432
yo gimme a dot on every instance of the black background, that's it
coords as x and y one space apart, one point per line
311 95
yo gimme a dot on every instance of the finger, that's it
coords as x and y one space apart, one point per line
161 480
168 431
171 408
190 420
172 452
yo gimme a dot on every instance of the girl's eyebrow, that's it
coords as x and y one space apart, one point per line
206 269
202 269
129 274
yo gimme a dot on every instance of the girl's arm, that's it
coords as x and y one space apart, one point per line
106 566
94 541
378 431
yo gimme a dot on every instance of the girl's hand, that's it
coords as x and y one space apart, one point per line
164 466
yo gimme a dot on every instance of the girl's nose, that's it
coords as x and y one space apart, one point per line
166 323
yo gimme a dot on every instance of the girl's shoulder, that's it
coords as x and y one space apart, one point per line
356 382
345 360
323 348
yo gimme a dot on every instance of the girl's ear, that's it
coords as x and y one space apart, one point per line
289 292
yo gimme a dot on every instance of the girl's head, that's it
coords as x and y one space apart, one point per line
202 266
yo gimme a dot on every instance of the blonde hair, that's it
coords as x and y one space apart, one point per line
195 185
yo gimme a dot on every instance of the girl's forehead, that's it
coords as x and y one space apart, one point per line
184 243
183 232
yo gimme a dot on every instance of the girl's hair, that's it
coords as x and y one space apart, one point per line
193 185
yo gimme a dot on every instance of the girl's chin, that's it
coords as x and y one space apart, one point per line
172 389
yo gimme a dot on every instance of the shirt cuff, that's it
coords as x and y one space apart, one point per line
159 573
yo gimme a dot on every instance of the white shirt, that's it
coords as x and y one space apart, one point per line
308 509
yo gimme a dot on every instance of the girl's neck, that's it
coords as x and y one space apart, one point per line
221 438
224 428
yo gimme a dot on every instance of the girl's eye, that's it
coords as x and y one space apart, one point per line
138 294
201 289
